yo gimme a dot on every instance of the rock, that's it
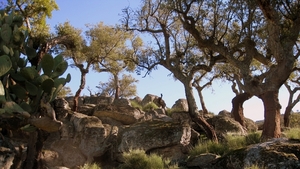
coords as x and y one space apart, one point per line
250 125
202 160
155 99
126 114
224 124
181 116
137 99
155 135
181 105
87 109
122 102
273 154
81 140
46 123
148 99
7 157
225 113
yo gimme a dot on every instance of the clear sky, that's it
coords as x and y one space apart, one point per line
217 98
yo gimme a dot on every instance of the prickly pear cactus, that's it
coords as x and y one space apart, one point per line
25 89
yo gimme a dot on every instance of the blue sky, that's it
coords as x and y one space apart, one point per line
217 98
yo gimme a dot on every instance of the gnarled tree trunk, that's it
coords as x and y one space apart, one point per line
237 107
286 116
271 127
81 87
195 115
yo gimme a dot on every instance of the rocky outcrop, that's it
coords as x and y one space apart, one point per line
157 136
102 132
124 114
181 105
80 140
274 154
155 99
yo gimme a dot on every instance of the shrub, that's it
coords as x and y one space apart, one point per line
90 166
209 147
136 105
293 133
235 142
136 159
231 143
295 120
150 106
253 138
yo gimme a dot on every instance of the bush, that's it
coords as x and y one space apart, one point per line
253 138
295 120
137 159
293 133
231 143
136 105
90 166
209 147
150 106
235 142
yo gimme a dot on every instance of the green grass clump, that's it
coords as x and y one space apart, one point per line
293 133
209 147
170 111
136 105
231 143
254 166
150 106
90 166
253 138
235 142
295 120
137 159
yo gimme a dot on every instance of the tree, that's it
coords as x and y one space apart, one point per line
229 73
64 92
247 31
104 50
292 86
200 88
174 49
126 83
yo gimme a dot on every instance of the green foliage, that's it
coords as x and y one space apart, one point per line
136 105
293 133
90 166
22 86
149 106
172 110
253 138
209 147
254 166
231 143
295 120
65 91
126 83
136 159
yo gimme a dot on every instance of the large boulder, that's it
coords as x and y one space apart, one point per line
226 125
273 154
80 140
181 105
148 99
156 136
250 125
155 99
124 114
